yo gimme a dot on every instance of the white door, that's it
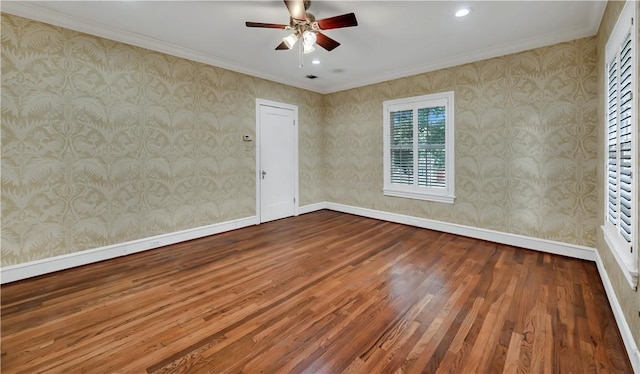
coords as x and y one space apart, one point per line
277 160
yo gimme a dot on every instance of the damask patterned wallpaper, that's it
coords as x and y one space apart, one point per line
104 143
526 143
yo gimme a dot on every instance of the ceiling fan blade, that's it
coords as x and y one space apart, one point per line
326 42
282 47
345 20
266 25
296 9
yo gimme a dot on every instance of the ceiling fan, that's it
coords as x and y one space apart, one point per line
305 27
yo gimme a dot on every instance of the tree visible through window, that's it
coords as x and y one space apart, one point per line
431 147
419 147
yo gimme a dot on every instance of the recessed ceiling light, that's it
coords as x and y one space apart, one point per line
315 62
462 12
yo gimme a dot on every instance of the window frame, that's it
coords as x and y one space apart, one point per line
625 253
438 194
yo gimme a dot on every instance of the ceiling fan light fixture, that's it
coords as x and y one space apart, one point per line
309 38
308 48
290 40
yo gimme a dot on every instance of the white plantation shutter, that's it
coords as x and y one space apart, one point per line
624 137
621 144
431 146
402 147
418 149
612 142
619 139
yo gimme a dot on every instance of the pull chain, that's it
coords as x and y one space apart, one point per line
301 56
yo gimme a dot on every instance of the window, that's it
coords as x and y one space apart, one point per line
418 147
621 143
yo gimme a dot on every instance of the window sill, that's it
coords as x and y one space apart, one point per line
420 196
629 270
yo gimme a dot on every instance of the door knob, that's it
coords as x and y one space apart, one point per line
263 174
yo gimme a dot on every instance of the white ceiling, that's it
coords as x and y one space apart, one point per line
393 39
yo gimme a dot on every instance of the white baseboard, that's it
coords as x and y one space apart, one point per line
542 245
39 267
623 326
312 208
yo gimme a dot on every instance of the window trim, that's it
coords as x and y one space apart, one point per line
628 261
444 195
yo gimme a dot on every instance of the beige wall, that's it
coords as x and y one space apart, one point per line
526 143
104 143
629 299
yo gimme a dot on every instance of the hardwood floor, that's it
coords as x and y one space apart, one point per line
324 292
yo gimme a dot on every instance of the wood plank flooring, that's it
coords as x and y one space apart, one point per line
324 292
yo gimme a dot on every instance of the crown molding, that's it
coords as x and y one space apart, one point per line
485 54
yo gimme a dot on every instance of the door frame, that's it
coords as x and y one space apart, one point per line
294 108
